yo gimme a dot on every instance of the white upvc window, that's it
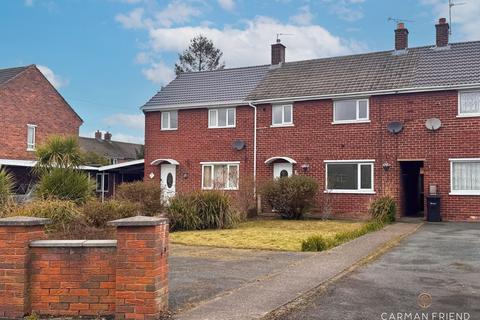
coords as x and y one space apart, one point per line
351 111
220 175
282 115
349 176
469 103
221 118
465 176
105 182
169 120
31 132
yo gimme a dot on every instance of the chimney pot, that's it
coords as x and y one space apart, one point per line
278 53
401 37
98 135
442 31
107 136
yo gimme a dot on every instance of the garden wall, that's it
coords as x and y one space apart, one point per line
126 278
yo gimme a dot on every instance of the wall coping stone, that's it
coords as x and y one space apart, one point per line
138 221
73 243
23 221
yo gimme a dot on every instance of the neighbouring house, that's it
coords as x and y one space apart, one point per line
31 109
402 122
125 161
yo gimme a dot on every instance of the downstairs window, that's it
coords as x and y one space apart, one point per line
349 177
221 176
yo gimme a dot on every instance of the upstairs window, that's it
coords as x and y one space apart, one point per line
169 120
347 111
222 176
31 131
469 103
349 177
282 115
221 118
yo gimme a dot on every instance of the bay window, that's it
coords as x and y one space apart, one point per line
220 175
349 176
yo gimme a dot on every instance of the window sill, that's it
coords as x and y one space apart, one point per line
464 193
169 129
228 127
210 189
32 150
473 115
351 122
281 125
350 191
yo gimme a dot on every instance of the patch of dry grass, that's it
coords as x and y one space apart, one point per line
286 235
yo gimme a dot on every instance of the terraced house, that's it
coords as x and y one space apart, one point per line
403 122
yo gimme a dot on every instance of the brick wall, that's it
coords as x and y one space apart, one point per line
314 139
31 99
125 279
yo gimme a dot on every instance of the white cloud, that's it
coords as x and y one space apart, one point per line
159 73
251 45
131 121
465 22
132 20
243 45
56 80
28 3
228 5
348 10
118 136
304 17
176 12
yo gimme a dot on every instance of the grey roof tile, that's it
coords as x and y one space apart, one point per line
110 149
10 73
209 86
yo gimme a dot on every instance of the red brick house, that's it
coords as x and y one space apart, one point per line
402 122
31 109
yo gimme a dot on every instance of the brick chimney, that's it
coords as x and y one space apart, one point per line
278 53
107 136
442 32
98 135
401 37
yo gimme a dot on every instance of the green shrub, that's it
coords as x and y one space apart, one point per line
182 213
6 187
383 209
65 184
62 213
202 210
321 243
291 197
147 194
97 213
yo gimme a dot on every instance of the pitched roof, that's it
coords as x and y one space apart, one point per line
218 87
10 73
458 64
110 149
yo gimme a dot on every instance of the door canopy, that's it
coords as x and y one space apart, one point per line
286 159
160 161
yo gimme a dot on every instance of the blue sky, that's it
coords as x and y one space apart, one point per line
108 57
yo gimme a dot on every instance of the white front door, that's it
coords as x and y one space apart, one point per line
282 169
167 179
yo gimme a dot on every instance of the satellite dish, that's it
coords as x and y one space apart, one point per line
395 127
433 124
238 145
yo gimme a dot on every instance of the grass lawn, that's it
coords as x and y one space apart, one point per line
264 234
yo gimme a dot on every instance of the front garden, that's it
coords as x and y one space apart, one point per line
66 195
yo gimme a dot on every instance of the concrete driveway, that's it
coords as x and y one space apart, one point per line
441 259
201 273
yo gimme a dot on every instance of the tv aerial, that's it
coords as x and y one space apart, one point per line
452 4
398 20
433 124
282 34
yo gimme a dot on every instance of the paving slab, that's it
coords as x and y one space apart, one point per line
253 300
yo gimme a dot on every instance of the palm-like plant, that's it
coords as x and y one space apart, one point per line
6 186
59 152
